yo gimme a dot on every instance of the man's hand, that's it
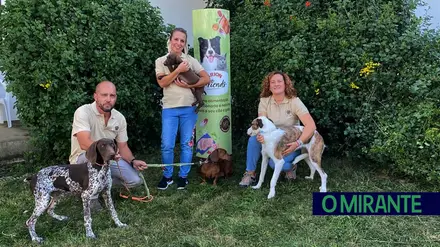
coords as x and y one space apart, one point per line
139 165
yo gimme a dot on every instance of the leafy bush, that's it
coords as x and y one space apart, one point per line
55 52
410 141
354 62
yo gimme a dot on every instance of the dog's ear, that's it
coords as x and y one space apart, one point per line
260 123
214 156
167 60
116 146
91 153
223 154
216 38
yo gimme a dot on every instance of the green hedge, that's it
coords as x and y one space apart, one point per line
55 52
409 141
357 65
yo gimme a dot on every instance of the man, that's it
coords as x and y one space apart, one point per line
92 122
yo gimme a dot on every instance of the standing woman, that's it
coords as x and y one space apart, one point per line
178 114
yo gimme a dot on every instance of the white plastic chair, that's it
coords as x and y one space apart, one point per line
5 101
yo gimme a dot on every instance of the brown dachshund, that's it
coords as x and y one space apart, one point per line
218 164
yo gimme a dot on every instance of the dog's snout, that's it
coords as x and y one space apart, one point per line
210 52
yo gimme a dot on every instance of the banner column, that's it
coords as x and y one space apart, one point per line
211 47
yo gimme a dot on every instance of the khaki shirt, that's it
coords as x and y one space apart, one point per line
88 118
286 113
173 95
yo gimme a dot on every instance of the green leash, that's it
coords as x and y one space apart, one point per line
175 164
149 197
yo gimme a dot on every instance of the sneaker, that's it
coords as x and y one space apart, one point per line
247 180
164 183
181 183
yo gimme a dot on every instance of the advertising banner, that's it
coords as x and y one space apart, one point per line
211 48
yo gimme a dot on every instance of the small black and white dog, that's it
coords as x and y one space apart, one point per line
209 52
87 179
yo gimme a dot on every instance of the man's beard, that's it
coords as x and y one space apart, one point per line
105 109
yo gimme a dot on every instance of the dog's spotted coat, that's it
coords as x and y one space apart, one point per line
87 180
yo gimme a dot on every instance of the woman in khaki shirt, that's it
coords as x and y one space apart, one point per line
279 102
178 114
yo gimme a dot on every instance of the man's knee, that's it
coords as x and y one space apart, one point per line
129 181
134 181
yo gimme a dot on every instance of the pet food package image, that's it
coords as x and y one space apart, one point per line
211 48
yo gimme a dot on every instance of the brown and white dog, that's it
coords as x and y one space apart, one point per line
88 180
275 140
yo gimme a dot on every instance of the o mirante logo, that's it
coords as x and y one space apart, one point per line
376 203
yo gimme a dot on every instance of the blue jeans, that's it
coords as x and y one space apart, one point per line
122 172
182 119
254 153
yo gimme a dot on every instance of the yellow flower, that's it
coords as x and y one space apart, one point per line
317 91
46 85
354 86
369 68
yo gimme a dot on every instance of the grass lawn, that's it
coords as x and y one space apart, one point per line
225 215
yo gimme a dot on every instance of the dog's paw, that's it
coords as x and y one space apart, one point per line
62 218
256 187
122 225
322 189
91 235
309 177
271 194
38 240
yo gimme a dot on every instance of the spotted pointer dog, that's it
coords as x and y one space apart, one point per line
275 140
88 180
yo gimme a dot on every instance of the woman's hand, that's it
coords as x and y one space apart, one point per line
290 148
181 83
260 138
183 67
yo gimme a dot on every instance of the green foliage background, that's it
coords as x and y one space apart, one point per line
55 52
389 115
367 70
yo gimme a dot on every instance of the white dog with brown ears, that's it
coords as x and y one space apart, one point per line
275 140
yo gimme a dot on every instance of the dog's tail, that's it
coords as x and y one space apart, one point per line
32 180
